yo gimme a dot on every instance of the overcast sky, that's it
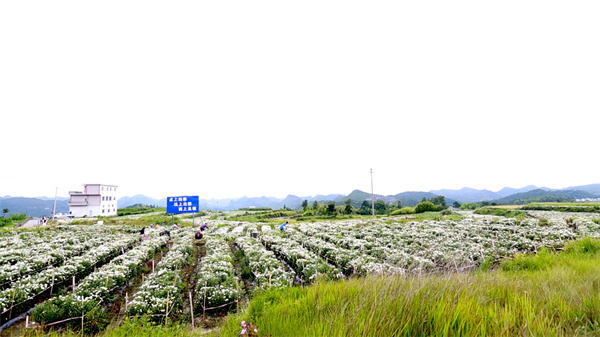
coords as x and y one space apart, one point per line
250 98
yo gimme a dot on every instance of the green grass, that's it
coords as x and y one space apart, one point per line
258 216
432 216
548 294
13 219
593 207
139 209
509 213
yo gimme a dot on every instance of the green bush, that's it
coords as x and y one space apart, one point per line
427 206
469 206
404 210
13 219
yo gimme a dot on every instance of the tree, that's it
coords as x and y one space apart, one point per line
331 208
439 200
380 207
315 205
348 208
4 211
456 204
469 205
365 208
304 205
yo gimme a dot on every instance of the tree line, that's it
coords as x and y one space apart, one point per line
380 207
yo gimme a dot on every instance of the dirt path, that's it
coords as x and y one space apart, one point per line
31 223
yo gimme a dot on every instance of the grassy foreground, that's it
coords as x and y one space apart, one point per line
547 294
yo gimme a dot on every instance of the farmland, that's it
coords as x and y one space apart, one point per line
95 278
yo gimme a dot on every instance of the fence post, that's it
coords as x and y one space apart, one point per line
191 309
167 309
52 286
204 306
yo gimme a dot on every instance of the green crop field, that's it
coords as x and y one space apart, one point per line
442 276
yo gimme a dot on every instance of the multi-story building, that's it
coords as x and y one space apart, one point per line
95 200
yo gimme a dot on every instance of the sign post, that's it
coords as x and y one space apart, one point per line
182 204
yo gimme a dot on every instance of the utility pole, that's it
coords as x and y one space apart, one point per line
372 196
54 208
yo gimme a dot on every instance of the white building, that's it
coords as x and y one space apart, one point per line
95 200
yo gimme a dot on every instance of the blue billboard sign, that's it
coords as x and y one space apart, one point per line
183 204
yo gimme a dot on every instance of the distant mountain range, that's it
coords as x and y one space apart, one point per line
43 205
34 206
472 195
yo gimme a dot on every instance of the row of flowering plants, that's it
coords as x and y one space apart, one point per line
35 258
305 263
27 288
268 271
440 245
19 245
351 261
584 224
160 296
99 287
217 284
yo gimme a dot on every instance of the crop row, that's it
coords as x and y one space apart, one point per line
307 264
30 286
217 284
99 286
38 258
268 271
161 293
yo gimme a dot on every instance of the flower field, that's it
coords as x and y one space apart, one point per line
73 275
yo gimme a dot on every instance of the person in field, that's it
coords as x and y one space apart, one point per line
198 235
204 227
282 227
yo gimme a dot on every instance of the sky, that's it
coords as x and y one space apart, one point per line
224 99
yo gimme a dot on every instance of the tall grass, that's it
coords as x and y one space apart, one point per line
548 294
13 219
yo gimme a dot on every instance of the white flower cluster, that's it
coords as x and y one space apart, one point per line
351 261
34 255
267 269
221 231
306 263
160 294
100 285
31 285
435 245
216 284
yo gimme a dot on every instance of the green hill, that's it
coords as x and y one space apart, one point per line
33 207
540 195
